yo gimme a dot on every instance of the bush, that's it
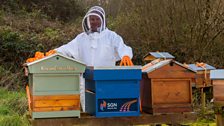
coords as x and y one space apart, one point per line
64 10
21 36
13 49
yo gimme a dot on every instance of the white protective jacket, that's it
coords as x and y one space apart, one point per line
97 49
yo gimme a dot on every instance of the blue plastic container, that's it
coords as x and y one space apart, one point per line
112 92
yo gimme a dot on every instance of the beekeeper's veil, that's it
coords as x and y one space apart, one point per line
97 11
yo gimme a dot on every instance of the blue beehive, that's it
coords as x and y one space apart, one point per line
113 91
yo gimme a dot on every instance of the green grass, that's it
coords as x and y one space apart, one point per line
13 108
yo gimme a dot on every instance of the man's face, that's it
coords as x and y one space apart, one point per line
94 22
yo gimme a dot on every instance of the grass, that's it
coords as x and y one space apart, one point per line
13 108
201 122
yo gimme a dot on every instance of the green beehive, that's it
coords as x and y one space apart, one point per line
54 86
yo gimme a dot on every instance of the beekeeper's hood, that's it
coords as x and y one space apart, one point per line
97 11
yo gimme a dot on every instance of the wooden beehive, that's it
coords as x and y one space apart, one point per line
157 55
166 87
54 87
202 78
217 77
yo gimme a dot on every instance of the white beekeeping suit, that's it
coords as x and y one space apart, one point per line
101 48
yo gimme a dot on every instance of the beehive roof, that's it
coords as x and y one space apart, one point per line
217 74
158 55
53 55
114 67
162 63
198 68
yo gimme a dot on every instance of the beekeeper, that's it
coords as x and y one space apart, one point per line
97 45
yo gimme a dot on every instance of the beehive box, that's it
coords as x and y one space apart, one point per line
217 77
202 78
54 87
157 55
166 88
113 91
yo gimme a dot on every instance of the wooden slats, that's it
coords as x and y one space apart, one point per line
166 110
146 95
218 82
203 72
173 109
169 71
202 81
55 103
143 120
218 92
166 95
55 97
172 105
62 108
171 91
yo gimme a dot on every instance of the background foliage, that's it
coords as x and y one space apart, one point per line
191 30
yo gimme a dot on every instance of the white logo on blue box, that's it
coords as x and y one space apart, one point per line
118 105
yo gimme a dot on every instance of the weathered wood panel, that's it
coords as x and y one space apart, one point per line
171 71
87 120
218 82
218 90
61 108
171 91
166 95
146 95
171 109
55 103
203 80
55 97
